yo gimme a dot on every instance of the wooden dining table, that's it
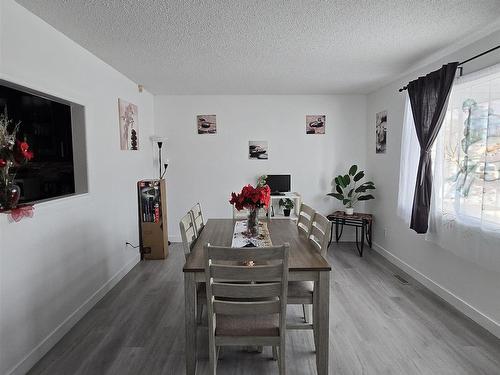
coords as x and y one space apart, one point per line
305 263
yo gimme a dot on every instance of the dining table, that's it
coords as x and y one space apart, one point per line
305 263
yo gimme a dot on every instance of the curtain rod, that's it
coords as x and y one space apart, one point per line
463 62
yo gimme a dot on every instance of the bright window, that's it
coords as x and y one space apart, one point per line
467 152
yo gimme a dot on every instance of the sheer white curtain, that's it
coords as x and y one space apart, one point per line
410 152
465 209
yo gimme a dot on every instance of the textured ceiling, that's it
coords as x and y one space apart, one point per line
264 46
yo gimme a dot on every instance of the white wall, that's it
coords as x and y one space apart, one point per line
55 266
209 167
472 288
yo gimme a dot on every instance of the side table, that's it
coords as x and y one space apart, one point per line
359 221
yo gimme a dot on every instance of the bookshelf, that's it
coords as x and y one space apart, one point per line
152 212
277 213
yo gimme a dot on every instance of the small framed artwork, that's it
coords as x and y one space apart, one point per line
129 125
315 124
207 124
258 150
381 132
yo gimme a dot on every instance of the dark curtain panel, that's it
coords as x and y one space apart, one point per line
429 99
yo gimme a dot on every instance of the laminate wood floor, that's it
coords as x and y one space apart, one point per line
378 325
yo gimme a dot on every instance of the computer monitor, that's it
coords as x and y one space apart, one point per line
278 183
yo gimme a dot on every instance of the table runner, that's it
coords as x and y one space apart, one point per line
240 238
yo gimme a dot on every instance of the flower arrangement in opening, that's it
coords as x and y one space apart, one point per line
251 197
13 153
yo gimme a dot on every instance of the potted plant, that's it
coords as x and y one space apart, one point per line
287 205
350 191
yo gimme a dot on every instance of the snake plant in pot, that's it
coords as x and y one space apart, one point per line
349 190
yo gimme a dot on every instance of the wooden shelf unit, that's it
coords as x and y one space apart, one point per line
275 212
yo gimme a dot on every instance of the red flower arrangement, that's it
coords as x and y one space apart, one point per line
251 197
13 154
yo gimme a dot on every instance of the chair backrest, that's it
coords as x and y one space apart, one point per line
188 233
234 288
320 233
306 215
199 223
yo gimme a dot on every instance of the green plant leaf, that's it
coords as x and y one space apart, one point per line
347 180
349 195
353 169
345 201
342 181
340 197
339 189
359 176
365 197
361 189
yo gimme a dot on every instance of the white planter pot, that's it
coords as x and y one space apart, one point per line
349 211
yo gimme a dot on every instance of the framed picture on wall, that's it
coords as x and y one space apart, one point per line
207 124
381 132
258 150
315 124
129 125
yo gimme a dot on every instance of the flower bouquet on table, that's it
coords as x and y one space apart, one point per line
252 199
13 154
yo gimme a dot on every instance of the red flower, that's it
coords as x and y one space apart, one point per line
3 163
24 148
251 197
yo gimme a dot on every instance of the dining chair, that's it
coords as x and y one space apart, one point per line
188 233
305 220
197 214
246 303
189 236
302 292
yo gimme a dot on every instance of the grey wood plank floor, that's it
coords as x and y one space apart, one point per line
378 325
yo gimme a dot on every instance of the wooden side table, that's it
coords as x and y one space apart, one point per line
359 221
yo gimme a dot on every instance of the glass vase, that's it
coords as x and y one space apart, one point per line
253 222
9 196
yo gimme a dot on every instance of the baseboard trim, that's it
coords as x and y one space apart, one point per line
30 359
483 320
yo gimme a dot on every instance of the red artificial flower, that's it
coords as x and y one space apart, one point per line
251 197
3 163
24 148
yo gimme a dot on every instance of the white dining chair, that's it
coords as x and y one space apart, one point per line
197 214
305 220
189 237
246 303
188 233
302 292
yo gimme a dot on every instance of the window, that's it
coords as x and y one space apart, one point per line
55 131
465 206
467 153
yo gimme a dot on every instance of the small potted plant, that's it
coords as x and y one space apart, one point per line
350 191
287 205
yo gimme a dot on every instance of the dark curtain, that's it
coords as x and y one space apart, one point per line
429 99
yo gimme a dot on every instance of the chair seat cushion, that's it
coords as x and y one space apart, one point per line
247 325
300 288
